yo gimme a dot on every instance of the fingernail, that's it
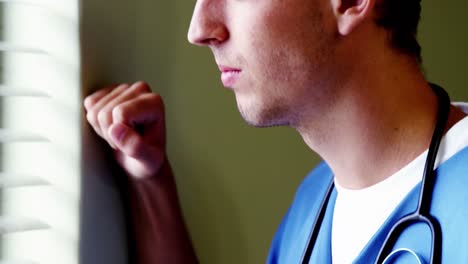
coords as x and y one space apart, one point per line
118 132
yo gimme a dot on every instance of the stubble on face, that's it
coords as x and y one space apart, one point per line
285 68
258 115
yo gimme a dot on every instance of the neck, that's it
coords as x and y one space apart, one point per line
377 126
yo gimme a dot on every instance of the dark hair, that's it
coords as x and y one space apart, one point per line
401 17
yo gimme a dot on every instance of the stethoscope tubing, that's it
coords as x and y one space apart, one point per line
422 212
318 220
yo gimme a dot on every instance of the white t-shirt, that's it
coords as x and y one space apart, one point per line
358 214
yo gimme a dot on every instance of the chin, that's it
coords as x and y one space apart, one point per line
265 117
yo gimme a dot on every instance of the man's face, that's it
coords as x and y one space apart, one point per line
276 55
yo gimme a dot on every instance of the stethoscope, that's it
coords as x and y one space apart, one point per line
422 212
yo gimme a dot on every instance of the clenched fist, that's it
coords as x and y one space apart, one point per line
131 119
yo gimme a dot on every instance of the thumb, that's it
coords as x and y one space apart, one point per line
120 133
132 144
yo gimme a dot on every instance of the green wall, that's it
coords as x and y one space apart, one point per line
444 39
235 182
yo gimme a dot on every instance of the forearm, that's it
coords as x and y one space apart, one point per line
131 119
159 232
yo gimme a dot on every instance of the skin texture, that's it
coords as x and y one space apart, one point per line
131 119
322 67
118 114
279 61
326 69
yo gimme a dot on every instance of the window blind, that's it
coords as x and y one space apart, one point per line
39 133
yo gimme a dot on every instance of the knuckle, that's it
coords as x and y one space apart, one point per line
91 117
89 102
119 113
142 86
123 85
120 88
138 88
104 118
92 99
156 100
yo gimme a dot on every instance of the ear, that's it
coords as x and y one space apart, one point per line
351 13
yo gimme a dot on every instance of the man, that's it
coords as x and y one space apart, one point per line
346 75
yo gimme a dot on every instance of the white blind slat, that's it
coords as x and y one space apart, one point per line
17 224
11 91
39 132
8 47
9 180
64 10
17 262
8 136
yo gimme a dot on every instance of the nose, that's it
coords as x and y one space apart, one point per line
208 26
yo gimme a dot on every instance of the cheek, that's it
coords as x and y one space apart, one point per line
281 49
282 44
266 56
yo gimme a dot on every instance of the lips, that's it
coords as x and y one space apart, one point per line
229 76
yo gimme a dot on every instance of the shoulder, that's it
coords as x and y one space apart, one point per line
449 196
313 187
310 192
450 206
453 173
294 229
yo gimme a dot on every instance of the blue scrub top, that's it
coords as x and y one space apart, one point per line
449 206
